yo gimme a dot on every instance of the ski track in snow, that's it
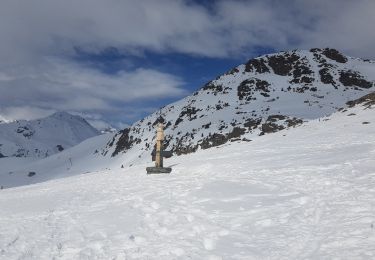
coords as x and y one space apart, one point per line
303 194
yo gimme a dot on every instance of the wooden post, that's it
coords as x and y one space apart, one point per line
159 145
159 153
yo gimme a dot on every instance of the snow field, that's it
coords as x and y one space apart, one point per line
304 193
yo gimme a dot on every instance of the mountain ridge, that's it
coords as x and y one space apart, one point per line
42 137
264 95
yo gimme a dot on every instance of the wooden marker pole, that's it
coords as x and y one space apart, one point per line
159 153
159 143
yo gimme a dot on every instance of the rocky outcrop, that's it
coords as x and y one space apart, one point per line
351 78
367 100
334 55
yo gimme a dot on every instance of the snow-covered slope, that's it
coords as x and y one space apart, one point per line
302 193
264 95
76 160
43 137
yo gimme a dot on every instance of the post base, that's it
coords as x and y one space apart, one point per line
158 170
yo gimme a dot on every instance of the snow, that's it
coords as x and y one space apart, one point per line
302 193
43 137
79 159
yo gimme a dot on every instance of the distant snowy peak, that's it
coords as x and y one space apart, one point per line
264 95
43 137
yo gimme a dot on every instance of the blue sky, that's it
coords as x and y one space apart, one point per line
116 61
195 71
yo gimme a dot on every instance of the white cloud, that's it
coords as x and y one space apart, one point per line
51 26
56 27
12 113
39 37
66 85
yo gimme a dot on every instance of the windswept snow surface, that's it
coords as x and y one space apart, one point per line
304 193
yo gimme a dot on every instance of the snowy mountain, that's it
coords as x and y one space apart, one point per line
301 193
265 95
245 104
43 137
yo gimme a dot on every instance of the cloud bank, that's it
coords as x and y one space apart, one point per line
39 72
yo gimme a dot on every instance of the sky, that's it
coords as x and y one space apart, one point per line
116 61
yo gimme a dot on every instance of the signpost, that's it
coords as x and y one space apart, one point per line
158 154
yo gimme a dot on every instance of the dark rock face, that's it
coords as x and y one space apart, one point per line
218 139
1 155
256 65
60 147
252 123
272 124
183 145
334 55
283 64
206 126
270 127
236 132
160 119
302 74
188 112
124 143
352 78
274 118
329 53
213 140
214 88
26 131
326 77
294 121
325 73
31 174
179 150
20 153
367 100
248 87
232 71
